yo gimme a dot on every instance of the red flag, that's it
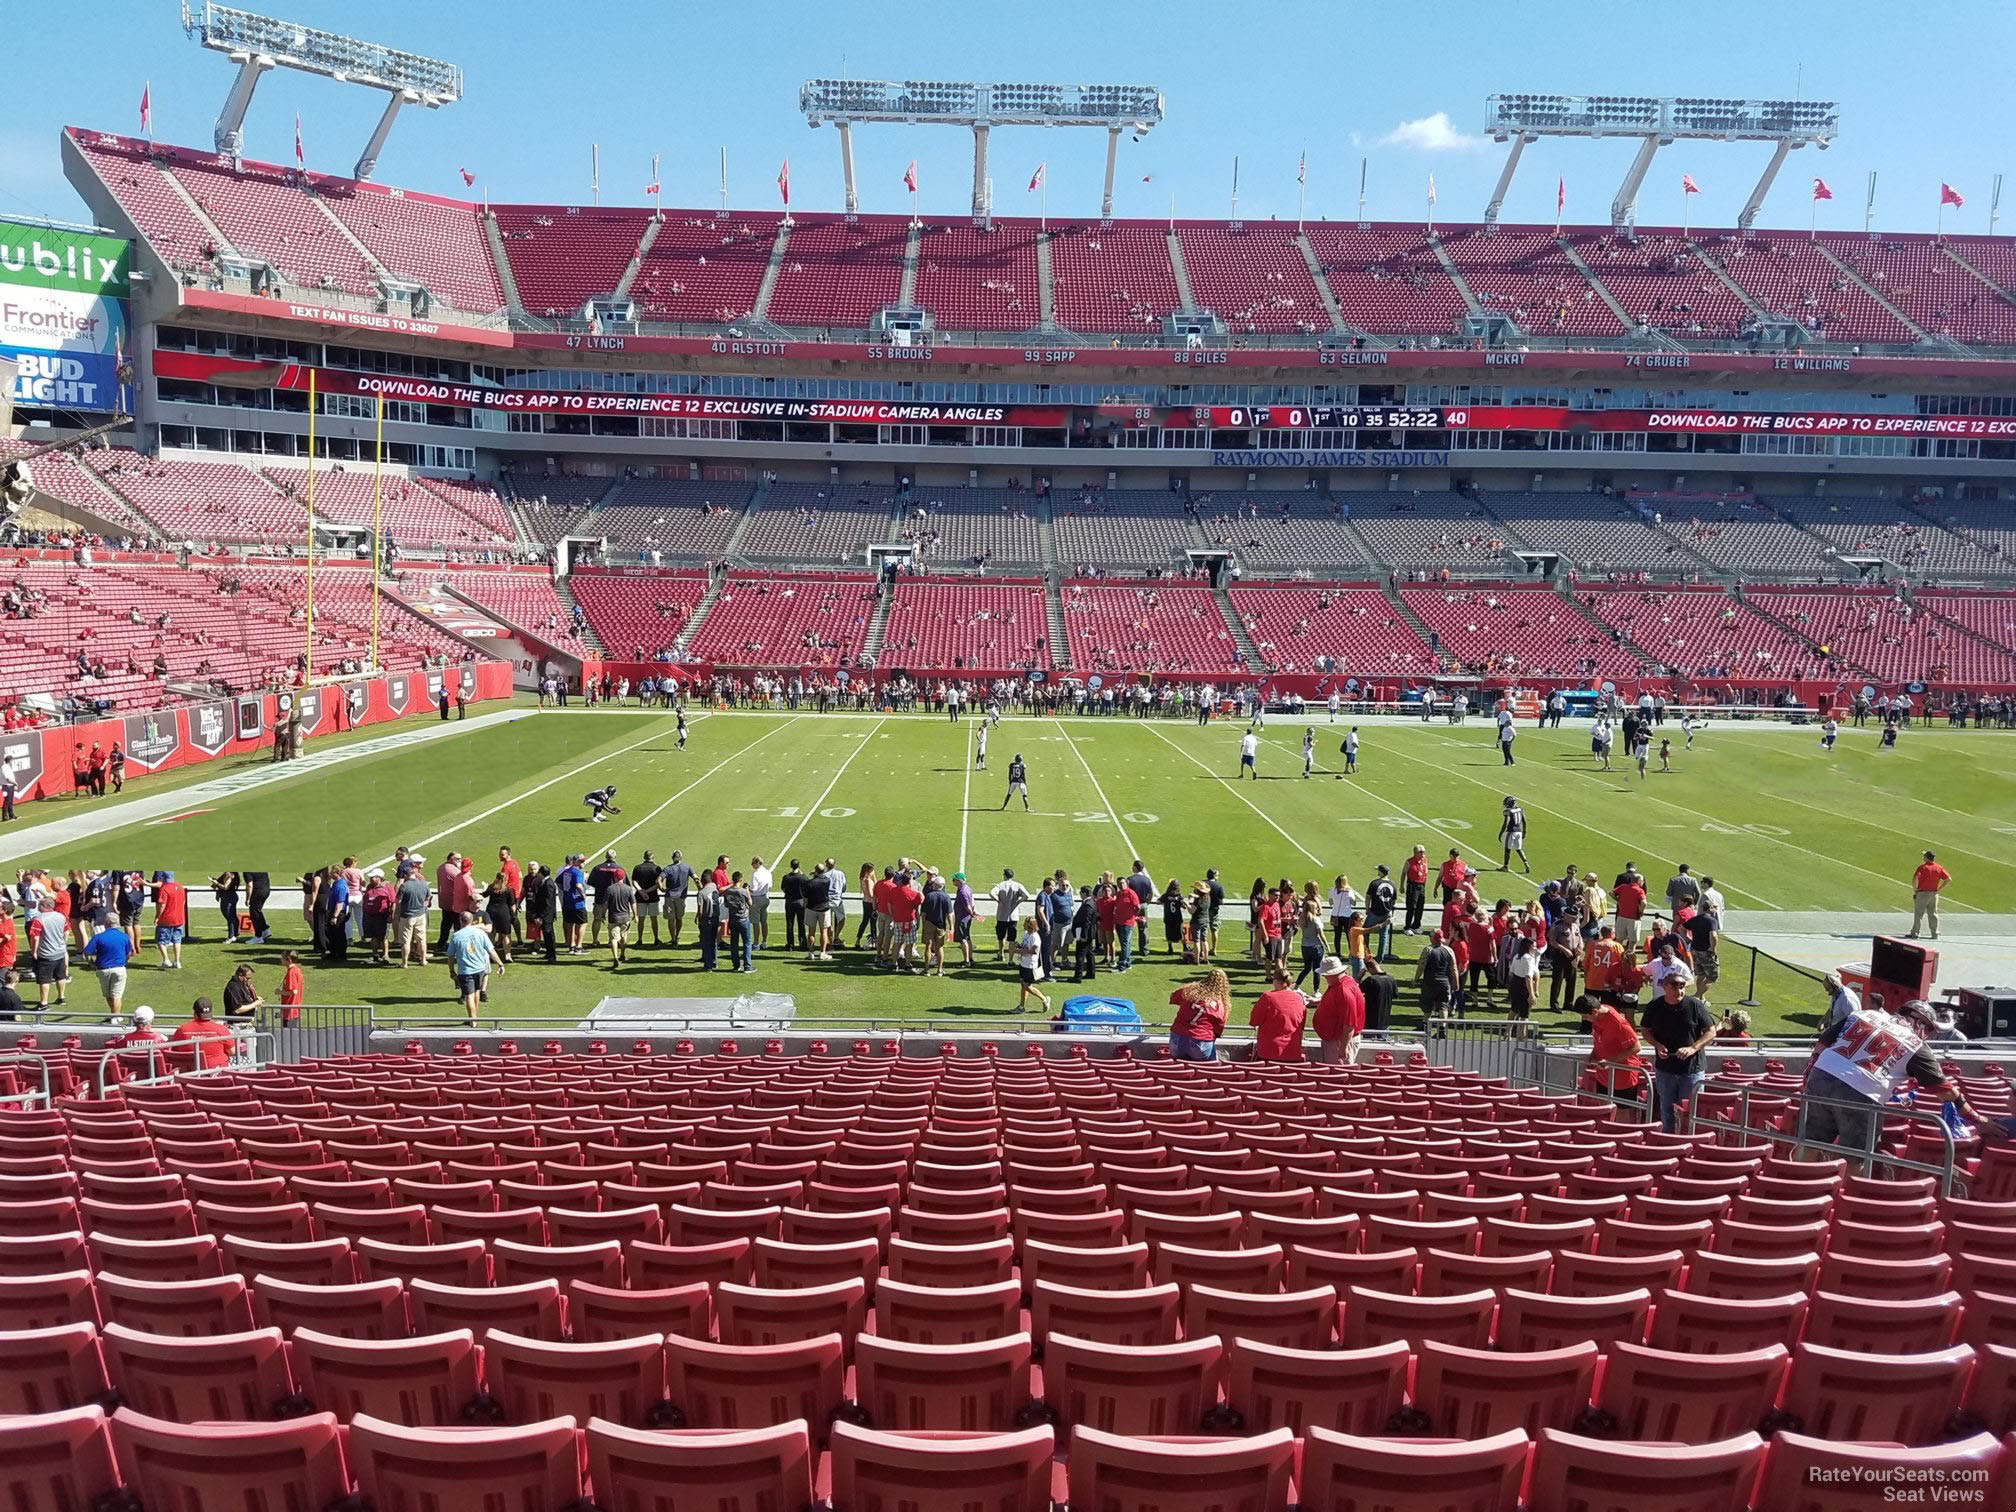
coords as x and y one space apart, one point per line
1036 178
1560 195
147 110
1820 189
910 176
1147 178
1948 195
650 188
468 178
784 183
1687 184
299 160
1302 169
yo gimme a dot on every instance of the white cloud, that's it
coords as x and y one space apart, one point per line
1431 133
1357 140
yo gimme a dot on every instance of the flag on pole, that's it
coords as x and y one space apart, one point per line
1147 178
1948 195
1687 184
784 183
1820 189
650 188
910 176
468 178
147 109
1302 169
1431 188
300 161
1036 178
1560 195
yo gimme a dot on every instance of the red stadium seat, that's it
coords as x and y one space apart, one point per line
1908 1325
702 1470
422 1382
1137 1474
535 1467
619 1380
1474 1393
48 1301
1572 1471
157 1259
1535 1320
963 1388
211 1305
466 1263
1003 1472
1808 1472
597 1314
1580 1274
1689 1324
1991 1396
739 1387
763 1315
1680 1398
58 1460
1134 1315
324 1262
362 1310
1374 1317
1292 1320
1151 1389
1711 1273
255 1465
1868 1398
1345 1390
50 1369
949 1314
1112 1268
531 1308
238 1377
1351 1473
660 1265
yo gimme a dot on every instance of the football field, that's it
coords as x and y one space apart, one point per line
1782 826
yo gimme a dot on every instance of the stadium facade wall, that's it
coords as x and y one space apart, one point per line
160 740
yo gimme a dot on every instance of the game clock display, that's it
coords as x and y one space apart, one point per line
1319 417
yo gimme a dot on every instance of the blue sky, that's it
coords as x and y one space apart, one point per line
1400 87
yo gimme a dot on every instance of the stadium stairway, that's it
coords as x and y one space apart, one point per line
1046 301
732 551
1409 618
1568 251
699 616
906 292
1323 290
760 310
1711 265
1248 652
1455 274
587 631
1954 626
2006 296
1603 625
1182 271
1877 294
636 264
878 624
1755 603
506 279
1053 614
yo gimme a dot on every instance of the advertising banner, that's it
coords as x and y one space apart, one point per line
63 315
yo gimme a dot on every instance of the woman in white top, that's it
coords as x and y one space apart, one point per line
1029 963
1343 905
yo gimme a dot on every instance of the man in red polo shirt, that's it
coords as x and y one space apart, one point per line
901 900
1926 884
1614 1065
1628 898
1454 870
1277 1018
171 918
212 1039
1414 878
1126 914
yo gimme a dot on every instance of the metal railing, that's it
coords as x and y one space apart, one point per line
317 1031
36 1063
164 1061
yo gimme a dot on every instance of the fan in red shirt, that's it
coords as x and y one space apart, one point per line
513 878
1416 869
1453 873
1126 914
1277 1018
1340 1013
212 1039
8 941
1613 1043
1628 901
1200 1016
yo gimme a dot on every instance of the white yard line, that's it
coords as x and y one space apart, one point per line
785 848
1631 846
735 755
39 839
1238 793
498 808
1111 812
965 798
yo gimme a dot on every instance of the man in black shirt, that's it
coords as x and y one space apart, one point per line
1704 932
794 906
645 880
1679 1025
1143 887
1018 781
675 881
1381 898
605 876
1217 902
11 1006
1378 989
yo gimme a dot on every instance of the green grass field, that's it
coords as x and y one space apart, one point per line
1782 826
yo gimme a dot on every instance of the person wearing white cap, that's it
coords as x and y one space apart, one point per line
1340 1013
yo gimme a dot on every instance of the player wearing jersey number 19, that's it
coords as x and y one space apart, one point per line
1859 1062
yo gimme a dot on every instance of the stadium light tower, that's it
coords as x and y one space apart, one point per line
257 43
1524 118
981 107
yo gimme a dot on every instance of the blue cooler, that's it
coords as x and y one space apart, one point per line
1098 1015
